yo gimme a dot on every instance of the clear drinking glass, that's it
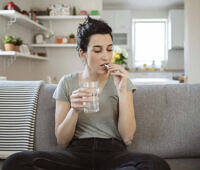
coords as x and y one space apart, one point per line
93 105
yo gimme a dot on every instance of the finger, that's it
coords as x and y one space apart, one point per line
83 90
80 95
78 106
115 66
119 74
116 71
80 100
111 64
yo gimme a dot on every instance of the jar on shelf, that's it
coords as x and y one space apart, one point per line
59 39
65 10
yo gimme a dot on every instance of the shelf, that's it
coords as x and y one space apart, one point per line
18 54
65 17
23 19
54 45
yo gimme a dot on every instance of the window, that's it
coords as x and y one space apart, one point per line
149 42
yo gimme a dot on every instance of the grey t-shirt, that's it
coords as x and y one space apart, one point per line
102 124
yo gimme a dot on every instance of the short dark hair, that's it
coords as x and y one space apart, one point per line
90 27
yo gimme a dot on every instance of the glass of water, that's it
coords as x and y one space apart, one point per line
93 87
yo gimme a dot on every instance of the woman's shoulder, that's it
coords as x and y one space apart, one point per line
70 76
69 79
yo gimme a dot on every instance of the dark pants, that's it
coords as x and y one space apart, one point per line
86 154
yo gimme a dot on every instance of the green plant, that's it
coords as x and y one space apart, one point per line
18 41
9 39
72 36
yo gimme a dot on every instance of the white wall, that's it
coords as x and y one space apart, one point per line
192 40
61 60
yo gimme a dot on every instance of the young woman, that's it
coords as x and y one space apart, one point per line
98 140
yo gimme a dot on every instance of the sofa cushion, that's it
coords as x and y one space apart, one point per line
45 120
184 164
168 120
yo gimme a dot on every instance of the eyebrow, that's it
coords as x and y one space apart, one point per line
101 46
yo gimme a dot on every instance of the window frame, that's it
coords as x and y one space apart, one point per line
134 22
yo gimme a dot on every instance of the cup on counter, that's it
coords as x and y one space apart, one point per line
93 87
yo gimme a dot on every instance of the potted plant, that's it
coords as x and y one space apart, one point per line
18 43
72 39
9 43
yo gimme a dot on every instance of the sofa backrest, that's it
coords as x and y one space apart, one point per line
167 117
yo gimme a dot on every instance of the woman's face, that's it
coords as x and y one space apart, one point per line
99 52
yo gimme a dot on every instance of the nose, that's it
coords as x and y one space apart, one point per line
105 56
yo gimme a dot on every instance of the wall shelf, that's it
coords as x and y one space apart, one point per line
18 54
65 17
54 45
15 16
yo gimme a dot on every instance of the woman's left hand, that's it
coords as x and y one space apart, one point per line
120 76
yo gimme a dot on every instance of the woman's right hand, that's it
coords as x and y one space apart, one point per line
78 97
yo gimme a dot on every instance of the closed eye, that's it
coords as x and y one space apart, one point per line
97 51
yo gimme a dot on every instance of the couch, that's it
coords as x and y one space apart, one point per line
168 123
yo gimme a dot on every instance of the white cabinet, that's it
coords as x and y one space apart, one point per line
109 17
176 29
120 22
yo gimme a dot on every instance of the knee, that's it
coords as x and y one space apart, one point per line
12 162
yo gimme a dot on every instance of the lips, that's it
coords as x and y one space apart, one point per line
105 66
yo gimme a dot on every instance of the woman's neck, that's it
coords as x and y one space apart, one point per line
93 76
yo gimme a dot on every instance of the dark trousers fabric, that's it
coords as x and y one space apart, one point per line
86 154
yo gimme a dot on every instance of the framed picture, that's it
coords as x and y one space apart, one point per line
24 49
39 38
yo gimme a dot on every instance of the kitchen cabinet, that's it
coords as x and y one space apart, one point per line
176 29
120 22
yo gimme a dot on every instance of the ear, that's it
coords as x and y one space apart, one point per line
83 55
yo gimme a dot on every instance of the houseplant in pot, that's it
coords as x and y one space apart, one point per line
18 42
72 39
9 43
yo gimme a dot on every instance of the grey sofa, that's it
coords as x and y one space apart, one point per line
168 123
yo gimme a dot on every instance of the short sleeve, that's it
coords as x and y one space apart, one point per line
130 86
62 90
